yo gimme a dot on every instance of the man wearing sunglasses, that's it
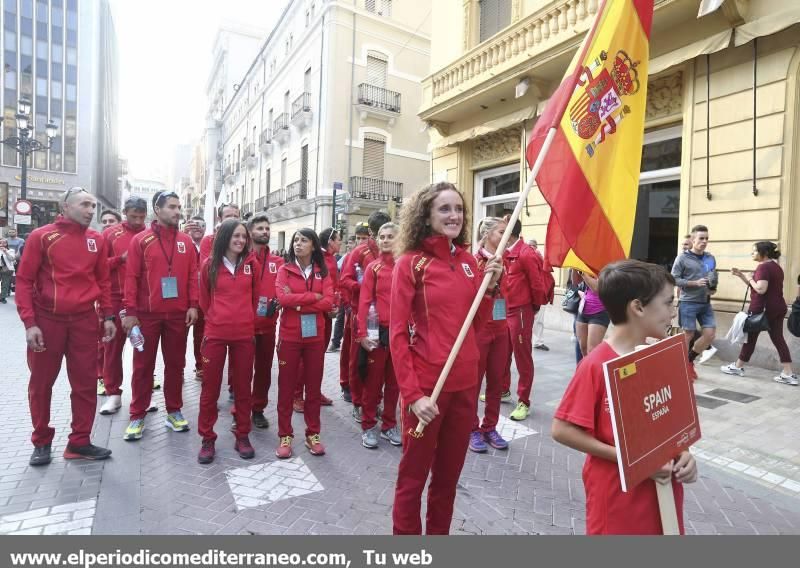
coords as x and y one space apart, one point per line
63 273
161 298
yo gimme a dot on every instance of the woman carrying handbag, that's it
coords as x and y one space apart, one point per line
766 304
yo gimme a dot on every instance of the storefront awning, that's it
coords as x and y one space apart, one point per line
768 25
487 127
710 44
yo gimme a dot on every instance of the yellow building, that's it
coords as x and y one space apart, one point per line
493 72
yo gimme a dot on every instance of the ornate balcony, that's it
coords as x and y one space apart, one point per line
280 128
375 189
301 111
247 208
276 198
261 204
296 191
378 102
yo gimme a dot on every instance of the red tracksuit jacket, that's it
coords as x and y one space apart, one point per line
377 287
63 271
148 264
230 310
333 268
432 291
268 266
302 299
523 283
362 255
206 247
491 325
118 239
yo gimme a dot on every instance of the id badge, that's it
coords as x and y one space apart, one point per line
499 309
261 311
308 325
169 287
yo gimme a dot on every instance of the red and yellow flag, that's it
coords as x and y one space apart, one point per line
590 175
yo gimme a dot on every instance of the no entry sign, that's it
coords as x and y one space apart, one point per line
653 409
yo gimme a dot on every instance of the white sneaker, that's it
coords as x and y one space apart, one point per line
787 379
112 404
732 369
706 355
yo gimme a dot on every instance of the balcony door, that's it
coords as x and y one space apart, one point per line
376 69
374 156
496 192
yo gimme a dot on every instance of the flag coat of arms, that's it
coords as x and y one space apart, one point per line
590 174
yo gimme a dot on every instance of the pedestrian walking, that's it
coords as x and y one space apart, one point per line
346 336
60 278
266 318
229 296
592 320
639 299
766 296
161 299
118 239
8 260
434 284
305 293
373 325
494 345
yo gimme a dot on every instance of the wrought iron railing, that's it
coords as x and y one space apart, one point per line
375 189
297 190
378 97
301 104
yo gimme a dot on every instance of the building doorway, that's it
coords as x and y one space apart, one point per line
496 193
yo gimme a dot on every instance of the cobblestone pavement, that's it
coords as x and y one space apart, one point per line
748 461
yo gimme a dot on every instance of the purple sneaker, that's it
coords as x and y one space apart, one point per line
496 440
476 442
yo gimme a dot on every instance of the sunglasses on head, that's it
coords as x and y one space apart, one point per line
73 191
163 196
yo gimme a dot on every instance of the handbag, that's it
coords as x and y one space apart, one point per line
571 301
755 322
794 318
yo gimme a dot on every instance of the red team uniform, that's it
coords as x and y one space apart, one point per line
268 266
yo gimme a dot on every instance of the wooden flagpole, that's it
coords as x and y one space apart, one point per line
523 198
666 506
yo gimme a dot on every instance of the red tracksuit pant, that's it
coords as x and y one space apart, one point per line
198 330
520 325
299 387
344 352
356 384
100 349
172 334
380 379
441 452
300 361
495 364
262 378
112 364
73 337
240 354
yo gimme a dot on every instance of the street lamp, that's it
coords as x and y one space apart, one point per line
25 143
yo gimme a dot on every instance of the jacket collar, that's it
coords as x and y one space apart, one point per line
131 229
68 225
158 228
387 258
440 247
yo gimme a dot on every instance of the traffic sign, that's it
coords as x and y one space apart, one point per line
23 207
337 185
22 219
653 408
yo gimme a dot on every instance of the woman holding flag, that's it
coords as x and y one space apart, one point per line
434 284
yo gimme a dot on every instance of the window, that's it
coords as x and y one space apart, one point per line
307 81
496 192
286 102
374 156
379 7
283 173
494 16
376 69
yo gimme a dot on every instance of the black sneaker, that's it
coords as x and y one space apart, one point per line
259 420
41 455
3 301
346 394
87 452
333 348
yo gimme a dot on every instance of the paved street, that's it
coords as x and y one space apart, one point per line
749 462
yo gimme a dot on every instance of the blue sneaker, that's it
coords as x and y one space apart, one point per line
476 442
177 422
496 440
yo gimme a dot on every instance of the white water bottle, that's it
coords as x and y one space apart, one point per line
359 274
136 338
373 332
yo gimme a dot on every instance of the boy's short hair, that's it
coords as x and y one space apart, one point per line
627 280
699 229
376 220
362 229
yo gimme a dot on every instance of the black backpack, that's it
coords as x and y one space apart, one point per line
794 319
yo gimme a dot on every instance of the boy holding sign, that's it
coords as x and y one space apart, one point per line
639 300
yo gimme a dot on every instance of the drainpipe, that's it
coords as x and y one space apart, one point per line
352 94
319 111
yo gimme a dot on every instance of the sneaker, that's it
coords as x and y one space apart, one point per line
284 450
541 347
177 422
198 374
260 421
494 439
134 430
476 442
87 452
333 348
299 405
790 380
706 355
314 445
101 387
394 436
732 369
357 414
40 455
346 394
207 452
369 438
324 400
244 448
504 396
520 412
111 405
156 383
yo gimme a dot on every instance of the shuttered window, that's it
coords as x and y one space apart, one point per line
495 15
374 155
283 173
376 69
380 7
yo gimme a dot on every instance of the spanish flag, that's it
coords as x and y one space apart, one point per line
590 174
